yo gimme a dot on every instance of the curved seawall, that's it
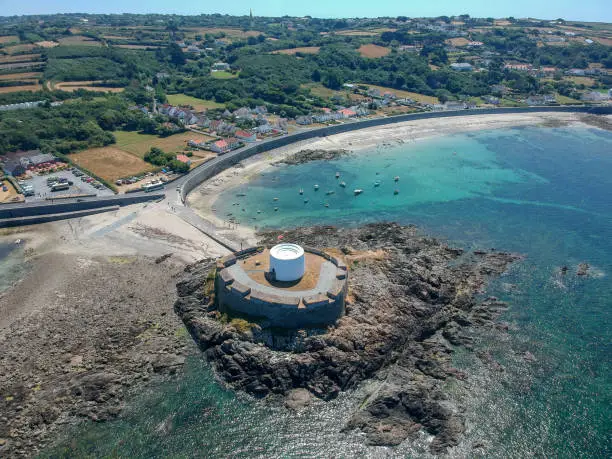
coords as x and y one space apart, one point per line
219 164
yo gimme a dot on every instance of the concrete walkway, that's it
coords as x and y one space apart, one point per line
325 282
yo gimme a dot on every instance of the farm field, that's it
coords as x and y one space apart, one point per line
303 49
79 40
223 75
459 41
145 47
19 58
47 44
110 163
29 87
19 48
365 33
71 86
412 95
138 144
197 104
9 39
20 65
230 32
21 76
373 51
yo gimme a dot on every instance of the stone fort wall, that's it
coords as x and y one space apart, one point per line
281 310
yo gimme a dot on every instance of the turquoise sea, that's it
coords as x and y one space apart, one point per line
543 192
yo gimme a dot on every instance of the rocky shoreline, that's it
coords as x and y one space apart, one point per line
103 330
306 156
412 299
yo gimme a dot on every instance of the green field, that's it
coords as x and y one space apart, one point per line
221 75
138 144
566 100
197 104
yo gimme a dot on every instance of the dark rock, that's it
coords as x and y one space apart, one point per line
167 362
405 309
583 269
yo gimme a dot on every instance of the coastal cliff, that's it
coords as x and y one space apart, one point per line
411 300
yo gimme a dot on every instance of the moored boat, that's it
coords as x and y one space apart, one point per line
357 191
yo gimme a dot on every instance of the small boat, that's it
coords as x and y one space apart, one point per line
316 187
337 174
396 178
357 191
326 205
343 184
396 192
276 209
240 195
259 211
330 192
301 191
377 183
305 201
275 199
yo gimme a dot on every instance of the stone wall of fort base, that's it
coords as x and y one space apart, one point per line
46 208
219 164
278 311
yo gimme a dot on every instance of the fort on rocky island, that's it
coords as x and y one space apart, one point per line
287 285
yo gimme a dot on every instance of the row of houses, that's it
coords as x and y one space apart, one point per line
330 115
185 116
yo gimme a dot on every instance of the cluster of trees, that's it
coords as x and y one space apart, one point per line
69 127
158 157
81 63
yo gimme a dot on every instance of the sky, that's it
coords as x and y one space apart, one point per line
585 10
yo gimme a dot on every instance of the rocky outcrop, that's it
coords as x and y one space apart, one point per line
305 156
411 300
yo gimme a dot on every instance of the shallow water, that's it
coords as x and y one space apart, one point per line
542 192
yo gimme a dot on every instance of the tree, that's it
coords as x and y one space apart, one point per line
333 79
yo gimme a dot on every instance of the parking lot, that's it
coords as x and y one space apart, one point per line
42 191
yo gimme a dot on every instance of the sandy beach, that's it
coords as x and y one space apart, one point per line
203 198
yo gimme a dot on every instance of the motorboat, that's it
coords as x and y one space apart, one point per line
357 191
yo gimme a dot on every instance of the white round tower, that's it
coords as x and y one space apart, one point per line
287 262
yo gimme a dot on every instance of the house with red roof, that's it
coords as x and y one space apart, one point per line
347 113
220 146
246 136
225 145
184 159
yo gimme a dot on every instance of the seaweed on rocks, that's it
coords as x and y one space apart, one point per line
305 156
411 299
